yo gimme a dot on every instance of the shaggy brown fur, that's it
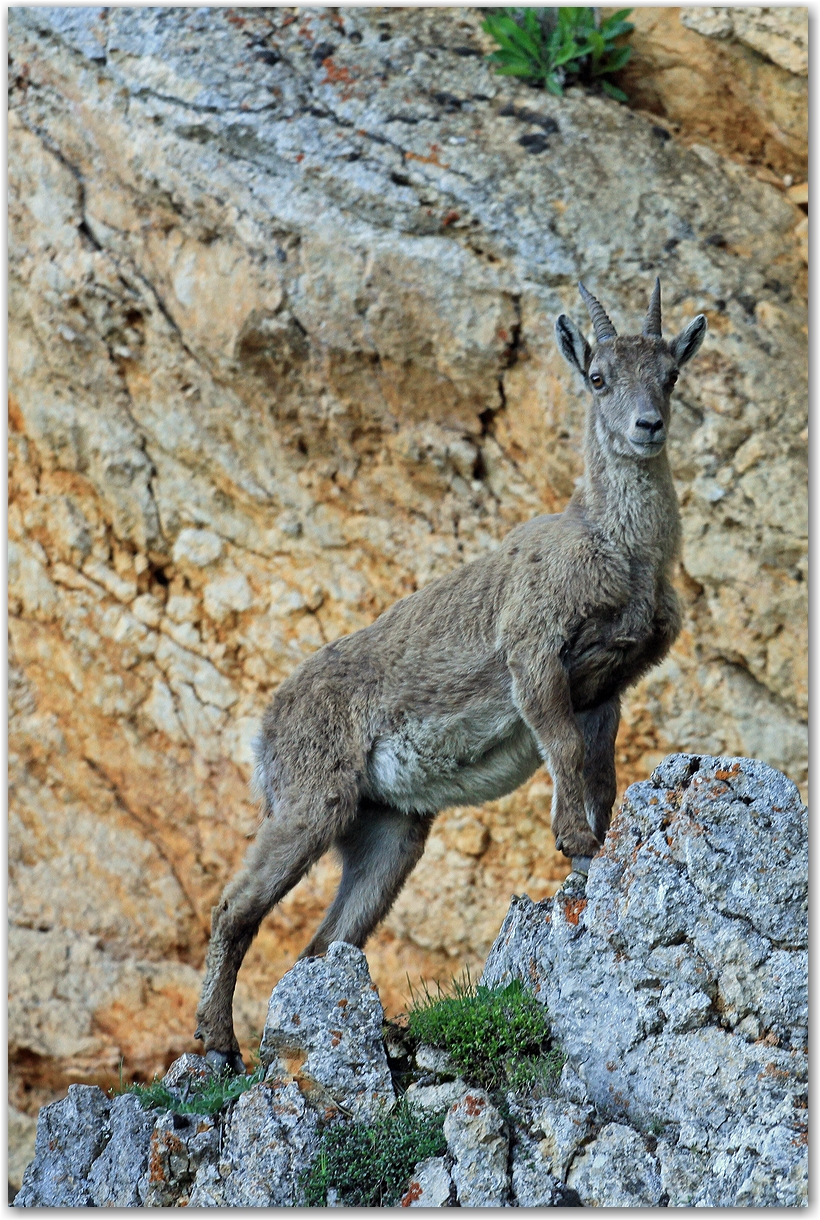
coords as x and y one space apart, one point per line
459 692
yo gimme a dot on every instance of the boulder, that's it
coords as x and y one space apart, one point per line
430 1186
478 1142
71 1134
677 983
324 1027
268 1140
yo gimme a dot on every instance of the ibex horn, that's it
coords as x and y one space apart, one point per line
652 325
603 327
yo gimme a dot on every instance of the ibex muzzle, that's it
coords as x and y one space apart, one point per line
458 693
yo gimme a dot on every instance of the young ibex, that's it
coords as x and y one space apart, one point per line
456 694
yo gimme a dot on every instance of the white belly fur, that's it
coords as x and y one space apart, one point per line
424 767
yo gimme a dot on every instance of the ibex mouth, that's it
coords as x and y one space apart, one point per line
646 449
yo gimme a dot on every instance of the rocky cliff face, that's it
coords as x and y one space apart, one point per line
282 292
736 77
676 983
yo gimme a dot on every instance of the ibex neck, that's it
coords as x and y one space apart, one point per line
632 502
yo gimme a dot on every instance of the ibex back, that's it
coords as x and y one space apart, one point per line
459 692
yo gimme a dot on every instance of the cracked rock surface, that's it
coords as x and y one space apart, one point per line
678 985
282 287
324 1026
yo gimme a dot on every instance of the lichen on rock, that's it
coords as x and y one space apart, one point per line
684 1085
324 1026
678 983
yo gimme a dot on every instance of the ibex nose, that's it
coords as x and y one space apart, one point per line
652 425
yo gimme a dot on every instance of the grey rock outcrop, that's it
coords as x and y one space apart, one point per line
677 983
119 1176
270 1138
616 1171
533 1183
324 1026
181 1145
71 1134
478 1142
430 1186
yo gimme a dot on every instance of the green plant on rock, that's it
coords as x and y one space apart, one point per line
200 1097
369 1164
553 46
496 1037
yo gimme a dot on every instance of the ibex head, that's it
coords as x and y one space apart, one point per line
630 376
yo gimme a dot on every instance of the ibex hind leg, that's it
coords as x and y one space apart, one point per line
284 849
378 852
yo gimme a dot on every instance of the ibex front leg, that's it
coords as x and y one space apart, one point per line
599 727
541 693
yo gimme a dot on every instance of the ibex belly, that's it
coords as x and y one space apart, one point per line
430 765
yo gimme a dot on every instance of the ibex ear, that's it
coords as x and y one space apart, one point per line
574 347
688 341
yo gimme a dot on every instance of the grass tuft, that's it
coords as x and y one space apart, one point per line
497 1037
369 1164
201 1097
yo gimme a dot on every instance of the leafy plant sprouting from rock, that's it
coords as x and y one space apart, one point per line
369 1164
553 46
200 1097
495 1036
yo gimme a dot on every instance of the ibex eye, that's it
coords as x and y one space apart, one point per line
596 380
671 379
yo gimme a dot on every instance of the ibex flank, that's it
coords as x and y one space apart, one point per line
456 694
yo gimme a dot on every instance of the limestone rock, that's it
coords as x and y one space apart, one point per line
119 1176
433 1059
435 1098
616 1171
324 1025
781 33
181 1146
280 351
677 983
430 1185
733 78
533 1184
71 1134
271 1137
479 1146
560 1128
188 1071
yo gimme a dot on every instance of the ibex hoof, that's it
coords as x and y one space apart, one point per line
574 886
580 864
226 1061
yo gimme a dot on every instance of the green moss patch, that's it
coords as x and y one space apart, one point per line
496 1037
370 1164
